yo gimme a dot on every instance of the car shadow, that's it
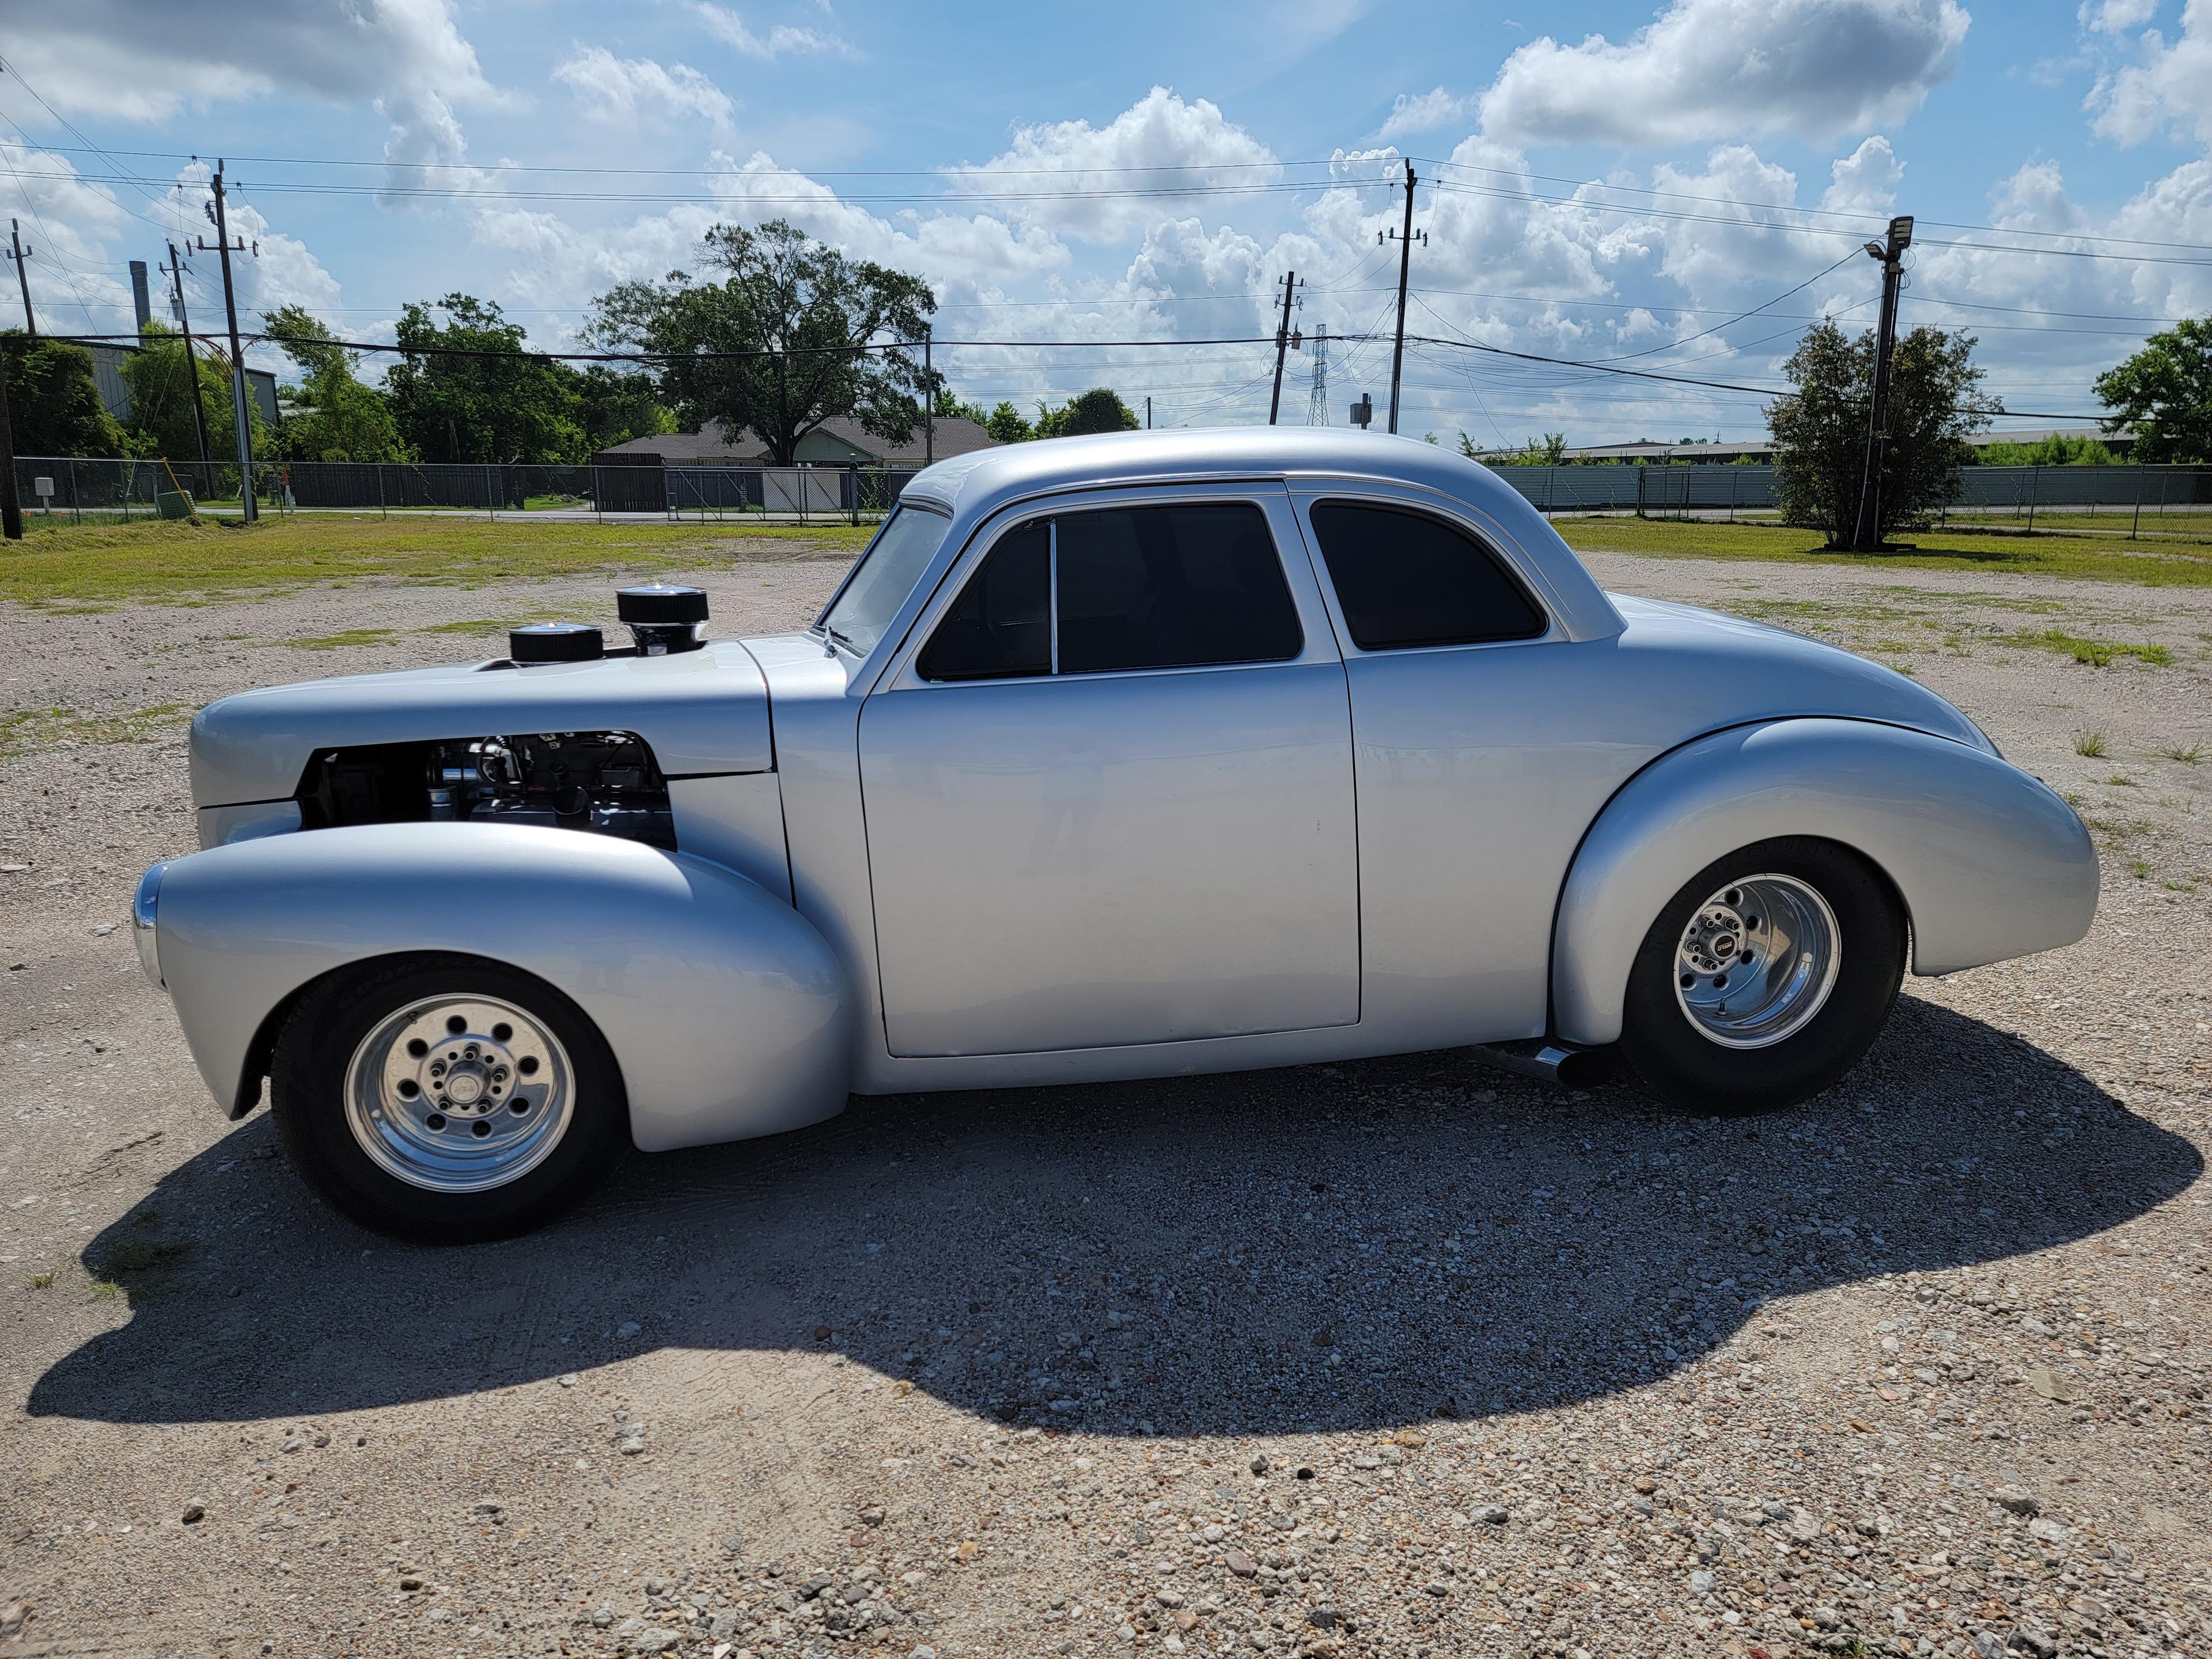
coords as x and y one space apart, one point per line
1322 1248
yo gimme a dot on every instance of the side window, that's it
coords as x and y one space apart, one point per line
1138 587
1000 627
1405 579
1171 587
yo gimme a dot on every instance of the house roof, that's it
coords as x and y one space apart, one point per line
711 445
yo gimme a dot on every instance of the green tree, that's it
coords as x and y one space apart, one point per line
952 408
2164 394
2053 449
1099 410
1819 430
159 377
808 326
1006 425
501 403
619 405
53 400
339 418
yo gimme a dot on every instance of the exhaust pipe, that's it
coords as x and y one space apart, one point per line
1548 1060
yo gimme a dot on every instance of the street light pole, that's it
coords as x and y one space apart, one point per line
1866 537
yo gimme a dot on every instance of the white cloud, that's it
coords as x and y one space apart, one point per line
627 91
1426 112
730 29
1711 69
1091 167
2116 16
2170 90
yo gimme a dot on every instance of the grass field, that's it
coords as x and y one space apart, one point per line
2069 552
101 564
93 565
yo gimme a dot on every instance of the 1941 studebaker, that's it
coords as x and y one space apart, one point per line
1112 757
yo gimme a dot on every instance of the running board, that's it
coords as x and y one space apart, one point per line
1548 1060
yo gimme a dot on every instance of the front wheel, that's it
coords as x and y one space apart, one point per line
446 1099
1765 979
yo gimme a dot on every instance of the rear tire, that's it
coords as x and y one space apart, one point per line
1765 978
446 1099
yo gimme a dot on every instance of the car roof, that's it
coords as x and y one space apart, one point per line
974 486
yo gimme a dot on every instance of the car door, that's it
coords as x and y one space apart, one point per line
1108 786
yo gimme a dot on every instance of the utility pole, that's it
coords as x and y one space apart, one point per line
929 395
18 253
1284 343
1317 404
192 369
1405 264
11 506
1891 253
238 388
1148 411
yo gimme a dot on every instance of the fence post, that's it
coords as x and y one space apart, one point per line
598 499
382 511
76 512
2034 491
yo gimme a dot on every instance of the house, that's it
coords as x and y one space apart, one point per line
836 442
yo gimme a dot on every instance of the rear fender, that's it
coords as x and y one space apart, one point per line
1989 862
726 1010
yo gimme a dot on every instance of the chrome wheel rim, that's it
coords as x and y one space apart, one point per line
459 1094
1757 961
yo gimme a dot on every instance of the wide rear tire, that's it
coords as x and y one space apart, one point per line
446 1099
1765 979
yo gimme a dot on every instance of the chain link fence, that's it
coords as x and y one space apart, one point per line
2153 499
81 488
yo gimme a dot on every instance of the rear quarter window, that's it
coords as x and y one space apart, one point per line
1405 579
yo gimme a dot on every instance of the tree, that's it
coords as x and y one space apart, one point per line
619 405
1098 410
339 418
53 401
1006 425
503 404
2165 393
950 408
1819 430
808 325
2053 449
159 377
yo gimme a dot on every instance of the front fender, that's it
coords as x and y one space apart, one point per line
724 1008
1990 863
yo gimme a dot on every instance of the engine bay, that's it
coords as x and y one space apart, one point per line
604 783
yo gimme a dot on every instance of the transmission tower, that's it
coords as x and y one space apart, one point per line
1317 406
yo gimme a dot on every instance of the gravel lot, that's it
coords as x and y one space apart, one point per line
1394 1358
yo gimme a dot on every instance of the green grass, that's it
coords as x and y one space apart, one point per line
385 635
2085 554
24 730
2091 653
2090 743
2188 755
77 567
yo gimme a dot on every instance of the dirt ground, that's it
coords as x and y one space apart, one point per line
1394 1358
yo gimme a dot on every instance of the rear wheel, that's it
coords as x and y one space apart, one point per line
1765 979
446 1099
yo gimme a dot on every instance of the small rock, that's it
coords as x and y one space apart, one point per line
601 1617
1260 1464
568 1380
2048 1530
322 1440
1240 1563
411 1581
293 1443
1827 1618
2037 1644
1701 1583
1496 1514
103 930
822 1333
1986 1646
2053 1385
1646 1485
654 1641
2018 1500
628 1328
194 1513
872 1516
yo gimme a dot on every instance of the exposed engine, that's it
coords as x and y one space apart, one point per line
605 781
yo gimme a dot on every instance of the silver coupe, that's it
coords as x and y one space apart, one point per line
1113 758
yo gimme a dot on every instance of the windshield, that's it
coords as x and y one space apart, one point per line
887 572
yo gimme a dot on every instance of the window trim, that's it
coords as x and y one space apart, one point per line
820 626
1317 631
1307 494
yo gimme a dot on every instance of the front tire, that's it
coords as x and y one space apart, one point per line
446 1099
1765 978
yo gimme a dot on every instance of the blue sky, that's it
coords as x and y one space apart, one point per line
1620 184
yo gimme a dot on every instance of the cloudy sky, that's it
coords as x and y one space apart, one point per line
1676 190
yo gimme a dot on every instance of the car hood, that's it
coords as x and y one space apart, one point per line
1766 673
701 712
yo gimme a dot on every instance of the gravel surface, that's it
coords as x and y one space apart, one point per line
1394 1358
